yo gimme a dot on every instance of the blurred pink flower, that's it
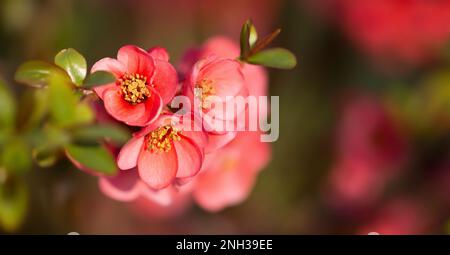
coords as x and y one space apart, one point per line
371 147
413 31
398 217
164 152
367 131
145 82
229 174
354 183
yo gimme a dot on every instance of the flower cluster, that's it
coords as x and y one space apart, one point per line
172 157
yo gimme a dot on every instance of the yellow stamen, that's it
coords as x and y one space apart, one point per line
207 89
160 140
133 88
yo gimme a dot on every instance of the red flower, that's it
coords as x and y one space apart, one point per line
164 152
145 82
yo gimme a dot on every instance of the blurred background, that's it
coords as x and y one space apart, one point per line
364 117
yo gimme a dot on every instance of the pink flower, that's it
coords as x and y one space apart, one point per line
229 174
371 148
354 183
164 152
145 82
213 83
255 76
412 31
367 131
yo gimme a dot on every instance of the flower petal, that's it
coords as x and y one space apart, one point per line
129 153
226 75
159 53
153 106
165 80
218 188
136 60
123 187
116 106
217 141
190 158
162 197
110 65
158 170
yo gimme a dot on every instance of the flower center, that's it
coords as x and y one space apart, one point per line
205 88
160 140
133 88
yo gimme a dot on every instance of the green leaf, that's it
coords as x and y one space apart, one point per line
74 63
83 114
253 36
62 101
16 157
99 78
244 41
13 204
96 158
7 112
276 58
45 156
89 135
37 73
33 107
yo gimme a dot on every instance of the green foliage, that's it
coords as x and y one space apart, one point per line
65 108
252 49
16 156
7 112
13 204
88 135
96 158
98 78
245 39
33 108
37 73
276 58
44 156
73 63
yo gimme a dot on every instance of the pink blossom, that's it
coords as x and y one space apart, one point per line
368 131
229 174
354 183
223 47
412 31
145 82
219 81
371 148
255 77
164 152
